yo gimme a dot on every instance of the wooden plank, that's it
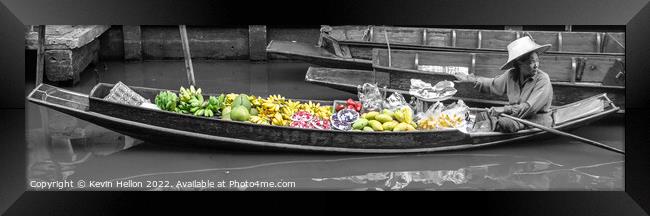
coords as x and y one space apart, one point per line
66 36
65 65
257 42
132 43
398 35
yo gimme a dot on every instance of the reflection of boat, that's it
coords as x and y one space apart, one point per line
388 172
169 127
398 80
360 40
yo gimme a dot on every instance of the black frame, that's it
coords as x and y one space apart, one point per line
634 14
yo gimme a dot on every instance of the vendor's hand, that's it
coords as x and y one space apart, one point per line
496 111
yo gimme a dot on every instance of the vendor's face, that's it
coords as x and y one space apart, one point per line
527 66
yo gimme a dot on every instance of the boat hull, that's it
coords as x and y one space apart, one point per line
167 127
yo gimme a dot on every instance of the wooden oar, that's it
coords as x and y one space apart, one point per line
564 134
188 58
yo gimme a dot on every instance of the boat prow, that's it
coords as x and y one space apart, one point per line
315 55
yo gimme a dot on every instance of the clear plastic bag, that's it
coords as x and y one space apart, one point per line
395 102
370 97
439 116
425 91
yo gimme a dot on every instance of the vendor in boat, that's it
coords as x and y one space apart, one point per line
527 87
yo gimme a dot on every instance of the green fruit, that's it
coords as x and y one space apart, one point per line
389 125
401 127
414 124
410 128
408 114
242 100
371 115
383 118
364 115
388 112
399 116
166 100
253 112
240 113
225 114
360 123
367 129
376 125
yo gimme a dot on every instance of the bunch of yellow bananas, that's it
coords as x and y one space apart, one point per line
259 120
323 112
274 110
230 98
441 121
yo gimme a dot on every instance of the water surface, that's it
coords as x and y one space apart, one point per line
61 147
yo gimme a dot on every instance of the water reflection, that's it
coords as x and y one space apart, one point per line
529 175
65 142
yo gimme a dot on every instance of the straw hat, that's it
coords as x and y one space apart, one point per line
521 47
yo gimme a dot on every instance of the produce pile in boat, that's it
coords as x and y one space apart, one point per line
372 112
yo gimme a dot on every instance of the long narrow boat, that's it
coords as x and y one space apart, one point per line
604 70
571 81
360 40
169 127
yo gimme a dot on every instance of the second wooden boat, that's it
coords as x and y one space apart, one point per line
360 40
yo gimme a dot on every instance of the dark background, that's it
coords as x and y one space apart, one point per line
634 14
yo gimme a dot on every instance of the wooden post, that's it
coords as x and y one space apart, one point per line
132 43
188 58
257 42
40 55
568 28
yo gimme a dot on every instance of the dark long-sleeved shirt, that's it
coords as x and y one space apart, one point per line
534 97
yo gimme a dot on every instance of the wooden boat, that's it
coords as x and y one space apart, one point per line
570 82
169 127
605 71
360 40
316 55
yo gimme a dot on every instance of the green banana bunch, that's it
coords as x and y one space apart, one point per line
207 108
167 100
189 99
188 94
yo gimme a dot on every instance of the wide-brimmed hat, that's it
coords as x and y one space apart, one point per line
521 47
